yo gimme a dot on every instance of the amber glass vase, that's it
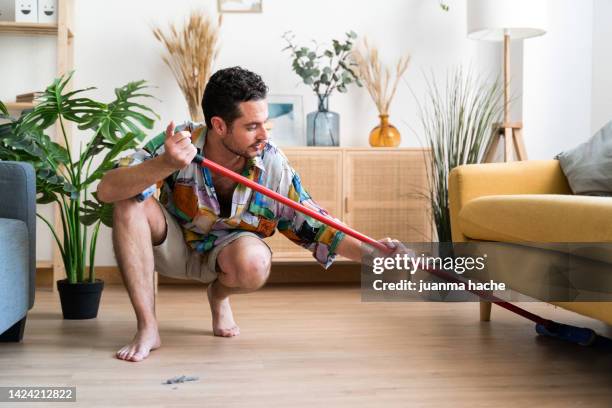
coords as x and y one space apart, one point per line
385 134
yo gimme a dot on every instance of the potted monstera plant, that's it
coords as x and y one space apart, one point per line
65 172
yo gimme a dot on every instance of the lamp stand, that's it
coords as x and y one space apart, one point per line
512 133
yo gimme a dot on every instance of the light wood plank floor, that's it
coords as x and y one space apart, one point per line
310 346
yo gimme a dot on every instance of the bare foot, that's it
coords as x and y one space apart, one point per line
145 340
222 317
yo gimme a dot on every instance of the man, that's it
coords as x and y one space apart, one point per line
205 226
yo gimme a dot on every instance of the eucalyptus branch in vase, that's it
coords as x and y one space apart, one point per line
324 70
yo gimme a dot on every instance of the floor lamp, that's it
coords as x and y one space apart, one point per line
505 20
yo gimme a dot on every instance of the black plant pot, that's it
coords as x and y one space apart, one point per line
80 300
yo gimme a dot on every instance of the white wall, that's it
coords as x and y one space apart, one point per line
557 80
601 105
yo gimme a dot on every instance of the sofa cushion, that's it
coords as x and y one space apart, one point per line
14 272
588 167
538 218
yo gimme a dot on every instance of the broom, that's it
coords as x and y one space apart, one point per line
580 335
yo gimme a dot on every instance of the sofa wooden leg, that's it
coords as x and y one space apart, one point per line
14 334
485 311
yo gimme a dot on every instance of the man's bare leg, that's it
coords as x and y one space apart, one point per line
136 226
244 267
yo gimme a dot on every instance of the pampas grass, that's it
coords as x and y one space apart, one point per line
190 53
379 81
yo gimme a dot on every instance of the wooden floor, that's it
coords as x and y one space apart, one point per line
310 346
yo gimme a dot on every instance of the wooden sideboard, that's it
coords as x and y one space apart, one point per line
377 191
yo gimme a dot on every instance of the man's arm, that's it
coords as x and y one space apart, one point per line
351 248
124 183
357 251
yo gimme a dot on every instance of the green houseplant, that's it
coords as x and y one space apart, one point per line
324 70
64 176
457 120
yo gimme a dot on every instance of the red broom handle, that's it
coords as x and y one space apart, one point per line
288 202
355 234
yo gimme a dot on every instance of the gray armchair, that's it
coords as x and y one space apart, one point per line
17 247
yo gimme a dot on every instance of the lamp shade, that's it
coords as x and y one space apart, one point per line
489 20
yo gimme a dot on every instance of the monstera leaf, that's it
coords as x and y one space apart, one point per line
122 116
54 104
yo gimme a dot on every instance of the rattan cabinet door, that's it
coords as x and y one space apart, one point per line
385 193
320 170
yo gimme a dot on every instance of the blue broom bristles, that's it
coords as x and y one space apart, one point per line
580 335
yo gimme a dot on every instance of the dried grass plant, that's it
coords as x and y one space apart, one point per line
378 80
190 53
457 116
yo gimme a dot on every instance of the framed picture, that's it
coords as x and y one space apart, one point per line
286 120
239 6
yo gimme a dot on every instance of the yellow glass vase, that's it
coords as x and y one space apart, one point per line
385 134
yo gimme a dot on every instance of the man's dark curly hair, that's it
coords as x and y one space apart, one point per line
225 90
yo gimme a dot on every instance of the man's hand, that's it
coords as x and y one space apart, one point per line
396 247
179 151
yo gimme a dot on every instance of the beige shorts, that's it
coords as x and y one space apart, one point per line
176 259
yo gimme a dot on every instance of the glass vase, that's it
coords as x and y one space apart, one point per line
385 134
323 126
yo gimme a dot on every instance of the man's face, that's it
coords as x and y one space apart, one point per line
248 135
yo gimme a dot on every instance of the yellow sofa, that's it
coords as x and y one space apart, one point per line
528 201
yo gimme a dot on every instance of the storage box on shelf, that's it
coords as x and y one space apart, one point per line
29 11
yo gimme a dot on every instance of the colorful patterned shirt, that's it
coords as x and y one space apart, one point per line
189 195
